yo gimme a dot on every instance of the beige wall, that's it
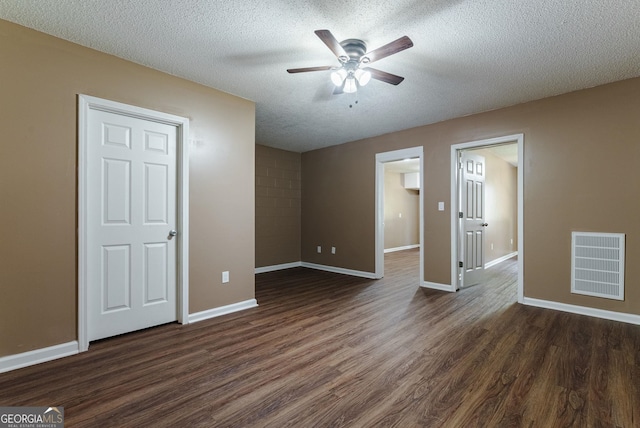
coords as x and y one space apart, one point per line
581 157
501 206
41 77
338 206
278 195
401 212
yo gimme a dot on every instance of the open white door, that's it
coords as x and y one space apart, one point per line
458 251
472 217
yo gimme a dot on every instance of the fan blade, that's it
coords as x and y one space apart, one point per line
383 76
396 46
304 70
332 43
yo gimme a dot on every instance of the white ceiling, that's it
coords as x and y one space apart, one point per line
506 152
403 166
468 56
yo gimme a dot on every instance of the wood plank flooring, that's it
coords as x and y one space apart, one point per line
328 350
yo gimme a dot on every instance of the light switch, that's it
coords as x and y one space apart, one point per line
440 206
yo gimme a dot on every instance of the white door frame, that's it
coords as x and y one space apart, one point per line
85 105
381 159
455 242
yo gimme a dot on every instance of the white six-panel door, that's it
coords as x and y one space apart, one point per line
473 217
131 213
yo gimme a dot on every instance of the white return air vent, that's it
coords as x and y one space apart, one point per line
597 264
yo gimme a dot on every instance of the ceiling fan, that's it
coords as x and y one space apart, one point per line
353 56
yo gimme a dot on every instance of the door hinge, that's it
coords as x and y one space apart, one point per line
460 215
460 264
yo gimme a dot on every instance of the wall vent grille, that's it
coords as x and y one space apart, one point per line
597 264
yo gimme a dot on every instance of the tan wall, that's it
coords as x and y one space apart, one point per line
581 157
41 77
278 196
501 206
401 212
338 206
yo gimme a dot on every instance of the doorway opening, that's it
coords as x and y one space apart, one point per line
412 159
482 231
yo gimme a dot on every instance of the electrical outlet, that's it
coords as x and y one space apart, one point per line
319 249
333 250
492 245
225 276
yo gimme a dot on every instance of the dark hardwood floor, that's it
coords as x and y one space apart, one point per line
328 350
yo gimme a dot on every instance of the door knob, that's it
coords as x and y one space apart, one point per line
173 232
484 224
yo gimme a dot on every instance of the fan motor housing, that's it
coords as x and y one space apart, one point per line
355 48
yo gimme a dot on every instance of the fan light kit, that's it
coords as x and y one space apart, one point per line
352 54
342 77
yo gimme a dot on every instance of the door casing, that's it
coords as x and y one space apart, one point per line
455 239
87 103
381 159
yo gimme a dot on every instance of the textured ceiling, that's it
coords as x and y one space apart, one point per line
468 56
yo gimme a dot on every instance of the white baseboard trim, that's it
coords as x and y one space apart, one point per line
406 247
223 310
582 310
273 268
500 260
37 356
368 275
436 286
